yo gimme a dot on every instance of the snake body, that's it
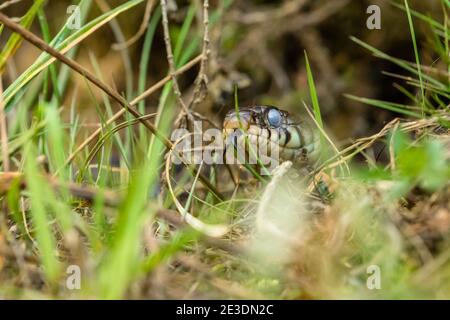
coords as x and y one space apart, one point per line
270 127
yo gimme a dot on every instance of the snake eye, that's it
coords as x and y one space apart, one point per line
274 118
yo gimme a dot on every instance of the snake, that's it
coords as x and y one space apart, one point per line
272 127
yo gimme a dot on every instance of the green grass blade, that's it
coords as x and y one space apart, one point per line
313 93
416 54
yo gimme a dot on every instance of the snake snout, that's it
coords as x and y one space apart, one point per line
240 120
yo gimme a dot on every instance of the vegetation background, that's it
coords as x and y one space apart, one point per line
87 188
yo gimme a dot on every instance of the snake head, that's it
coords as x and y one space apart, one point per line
270 128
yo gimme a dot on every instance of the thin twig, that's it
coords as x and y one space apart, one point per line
202 79
170 59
